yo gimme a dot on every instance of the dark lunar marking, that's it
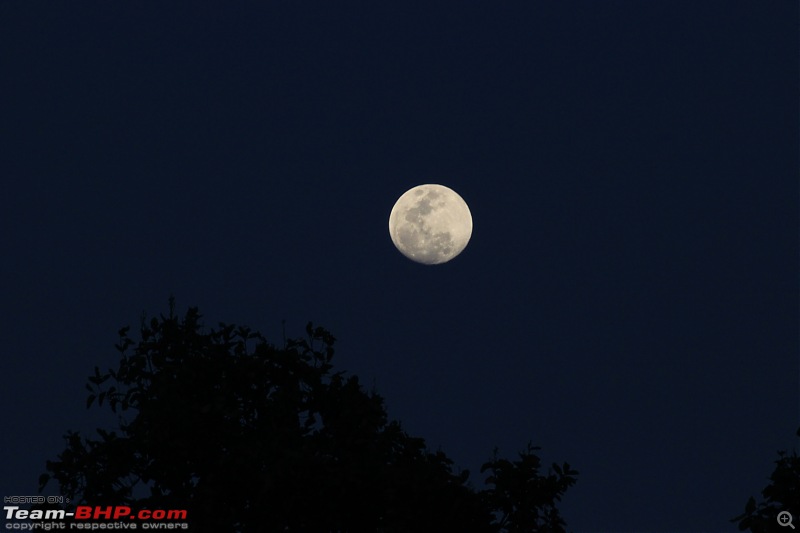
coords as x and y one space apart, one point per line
443 243
422 208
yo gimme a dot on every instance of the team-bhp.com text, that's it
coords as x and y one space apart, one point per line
125 518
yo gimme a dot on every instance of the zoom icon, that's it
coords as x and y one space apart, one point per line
785 519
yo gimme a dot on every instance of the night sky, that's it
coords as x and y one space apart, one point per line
629 298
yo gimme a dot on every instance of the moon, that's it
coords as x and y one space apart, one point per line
430 224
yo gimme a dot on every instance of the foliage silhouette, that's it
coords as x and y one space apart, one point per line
250 437
782 494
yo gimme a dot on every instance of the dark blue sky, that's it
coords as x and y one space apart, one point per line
629 299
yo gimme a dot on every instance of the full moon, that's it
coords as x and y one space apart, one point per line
430 224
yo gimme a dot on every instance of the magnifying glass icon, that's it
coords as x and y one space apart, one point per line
785 519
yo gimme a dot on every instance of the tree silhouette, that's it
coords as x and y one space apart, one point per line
249 437
782 494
